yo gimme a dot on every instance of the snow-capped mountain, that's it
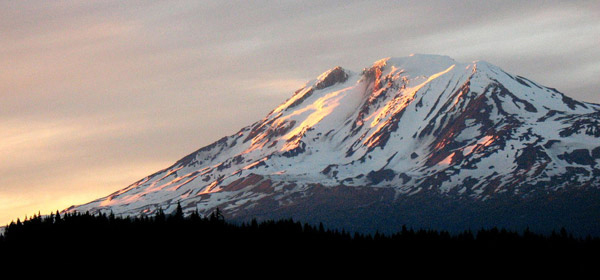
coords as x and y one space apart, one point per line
400 138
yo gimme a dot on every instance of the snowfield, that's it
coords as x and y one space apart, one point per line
411 125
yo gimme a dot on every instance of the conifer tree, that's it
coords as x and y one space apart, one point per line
57 217
178 212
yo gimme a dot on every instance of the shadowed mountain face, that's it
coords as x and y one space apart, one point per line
422 140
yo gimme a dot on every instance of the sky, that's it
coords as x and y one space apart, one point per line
95 95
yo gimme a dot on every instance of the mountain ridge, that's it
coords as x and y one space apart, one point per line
422 124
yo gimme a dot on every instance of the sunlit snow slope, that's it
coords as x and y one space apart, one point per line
403 127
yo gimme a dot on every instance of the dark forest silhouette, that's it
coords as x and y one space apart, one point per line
109 235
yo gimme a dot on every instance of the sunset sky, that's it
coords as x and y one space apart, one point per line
95 95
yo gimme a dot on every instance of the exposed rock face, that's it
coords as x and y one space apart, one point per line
421 128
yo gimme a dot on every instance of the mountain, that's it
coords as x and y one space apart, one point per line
422 140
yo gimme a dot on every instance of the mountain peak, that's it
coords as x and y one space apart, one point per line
420 125
331 77
416 64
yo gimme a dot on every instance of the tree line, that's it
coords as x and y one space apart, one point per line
164 234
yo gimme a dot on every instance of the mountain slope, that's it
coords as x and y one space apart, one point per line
419 128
